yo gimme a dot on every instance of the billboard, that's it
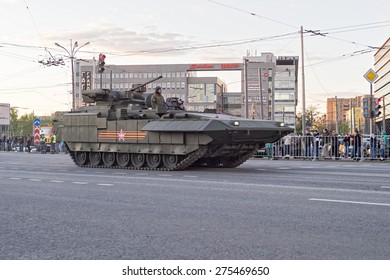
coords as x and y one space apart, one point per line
4 114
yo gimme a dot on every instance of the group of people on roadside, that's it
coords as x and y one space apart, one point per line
315 145
16 143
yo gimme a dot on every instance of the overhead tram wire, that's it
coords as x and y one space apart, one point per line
254 14
318 33
211 45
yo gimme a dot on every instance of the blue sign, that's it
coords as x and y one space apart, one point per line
37 122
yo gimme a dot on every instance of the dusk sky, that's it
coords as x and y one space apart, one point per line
184 31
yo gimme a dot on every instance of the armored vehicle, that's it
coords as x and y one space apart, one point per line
120 130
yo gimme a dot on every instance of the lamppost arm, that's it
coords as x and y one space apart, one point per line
58 45
74 53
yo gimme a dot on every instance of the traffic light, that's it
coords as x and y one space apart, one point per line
101 64
377 107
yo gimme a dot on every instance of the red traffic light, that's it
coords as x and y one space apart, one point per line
102 57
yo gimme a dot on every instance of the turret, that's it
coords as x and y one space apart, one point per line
117 98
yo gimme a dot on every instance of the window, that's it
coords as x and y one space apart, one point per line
168 74
196 93
210 93
168 85
149 75
131 75
183 85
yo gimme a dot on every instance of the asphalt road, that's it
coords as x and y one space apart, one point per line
51 209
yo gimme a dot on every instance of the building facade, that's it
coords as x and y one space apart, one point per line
347 111
272 87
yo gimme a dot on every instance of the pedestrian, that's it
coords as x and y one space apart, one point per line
308 142
158 102
28 144
383 144
53 141
373 145
326 143
42 141
335 145
287 146
316 144
346 142
357 144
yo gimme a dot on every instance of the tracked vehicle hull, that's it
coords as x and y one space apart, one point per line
176 142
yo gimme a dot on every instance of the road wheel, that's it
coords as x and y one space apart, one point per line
95 158
108 159
138 160
170 161
154 161
123 159
81 158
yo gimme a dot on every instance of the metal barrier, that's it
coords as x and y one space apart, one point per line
360 147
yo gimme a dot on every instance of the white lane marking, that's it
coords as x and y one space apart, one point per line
80 183
190 176
284 168
261 169
80 171
108 185
35 180
350 202
119 173
165 175
100 172
56 181
142 174
385 187
15 178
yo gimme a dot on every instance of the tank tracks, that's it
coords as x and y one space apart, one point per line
185 163
240 160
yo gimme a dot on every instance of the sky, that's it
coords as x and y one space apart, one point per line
187 31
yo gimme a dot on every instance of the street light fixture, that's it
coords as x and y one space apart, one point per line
73 50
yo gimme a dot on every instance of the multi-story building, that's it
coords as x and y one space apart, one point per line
277 77
382 85
338 110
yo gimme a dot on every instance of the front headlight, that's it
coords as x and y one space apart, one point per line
282 125
236 123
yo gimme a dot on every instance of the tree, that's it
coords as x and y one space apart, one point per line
22 126
312 115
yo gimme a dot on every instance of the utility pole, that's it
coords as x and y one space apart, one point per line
350 113
71 54
261 94
371 109
246 87
303 87
337 116
384 114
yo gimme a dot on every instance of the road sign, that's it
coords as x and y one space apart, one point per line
370 76
37 131
37 122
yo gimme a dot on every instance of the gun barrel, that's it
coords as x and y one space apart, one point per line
148 82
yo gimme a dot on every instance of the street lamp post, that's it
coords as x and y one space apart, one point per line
73 50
